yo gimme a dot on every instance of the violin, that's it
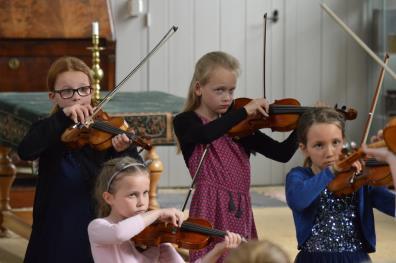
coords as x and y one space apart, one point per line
194 233
283 116
375 173
100 128
100 132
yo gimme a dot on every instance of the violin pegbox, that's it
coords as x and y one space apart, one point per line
349 113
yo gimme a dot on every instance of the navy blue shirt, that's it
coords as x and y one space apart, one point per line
63 205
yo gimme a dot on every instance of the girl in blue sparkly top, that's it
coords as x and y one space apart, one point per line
330 228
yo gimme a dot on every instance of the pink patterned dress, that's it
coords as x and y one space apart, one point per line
222 190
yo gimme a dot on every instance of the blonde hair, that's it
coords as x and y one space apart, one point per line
258 251
65 64
112 172
316 116
202 73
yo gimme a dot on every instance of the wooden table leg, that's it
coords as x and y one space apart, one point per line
7 177
155 168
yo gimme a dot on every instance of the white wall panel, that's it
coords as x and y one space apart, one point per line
357 69
308 58
206 27
253 72
131 46
158 75
233 35
181 47
276 84
334 75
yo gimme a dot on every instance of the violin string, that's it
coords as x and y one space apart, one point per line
193 227
285 109
371 162
111 129
106 127
206 231
201 229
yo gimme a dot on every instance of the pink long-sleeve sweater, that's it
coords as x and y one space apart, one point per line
111 243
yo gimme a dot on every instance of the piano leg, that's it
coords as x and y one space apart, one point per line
7 177
155 168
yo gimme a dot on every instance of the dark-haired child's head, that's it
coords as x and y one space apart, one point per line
320 134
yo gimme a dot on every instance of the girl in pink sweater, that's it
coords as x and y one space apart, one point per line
122 194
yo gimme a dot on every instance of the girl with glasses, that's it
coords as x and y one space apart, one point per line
63 206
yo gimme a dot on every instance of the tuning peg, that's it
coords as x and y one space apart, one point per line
348 148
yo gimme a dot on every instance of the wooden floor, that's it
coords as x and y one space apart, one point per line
273 223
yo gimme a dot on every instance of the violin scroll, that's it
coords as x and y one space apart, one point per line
349 114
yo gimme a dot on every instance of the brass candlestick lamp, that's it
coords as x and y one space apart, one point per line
97 72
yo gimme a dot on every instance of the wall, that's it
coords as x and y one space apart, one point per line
308 58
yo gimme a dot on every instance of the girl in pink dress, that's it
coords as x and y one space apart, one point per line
122 194
222 186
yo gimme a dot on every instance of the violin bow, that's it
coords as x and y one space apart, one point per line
358 40
374 102
195 176
264 49
111 94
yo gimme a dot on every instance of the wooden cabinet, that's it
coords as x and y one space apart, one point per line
24 63
32 36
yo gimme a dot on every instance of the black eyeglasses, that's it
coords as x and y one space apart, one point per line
68 93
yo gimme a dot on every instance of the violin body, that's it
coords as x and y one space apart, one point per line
193 234
348 182
344 183
389 134
374 173
277 122
101 140
378 176
99 133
